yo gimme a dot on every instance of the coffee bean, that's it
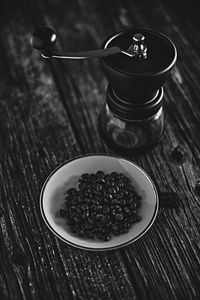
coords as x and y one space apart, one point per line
107 238
72 191
119 217
85 176
99 174
113 174
62 213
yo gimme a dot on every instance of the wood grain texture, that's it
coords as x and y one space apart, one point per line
48 114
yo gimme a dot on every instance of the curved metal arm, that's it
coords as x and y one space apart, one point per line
88 54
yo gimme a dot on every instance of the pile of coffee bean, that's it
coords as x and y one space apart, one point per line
101 206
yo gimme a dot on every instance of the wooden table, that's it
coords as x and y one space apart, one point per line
48 114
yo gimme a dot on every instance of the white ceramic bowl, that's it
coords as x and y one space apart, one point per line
66 176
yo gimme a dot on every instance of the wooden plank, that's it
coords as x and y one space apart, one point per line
40 137
49 114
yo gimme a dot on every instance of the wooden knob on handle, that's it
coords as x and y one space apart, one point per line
43 39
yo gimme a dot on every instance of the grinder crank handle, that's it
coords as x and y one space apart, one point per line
44 39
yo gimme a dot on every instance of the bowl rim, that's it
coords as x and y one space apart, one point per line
103 248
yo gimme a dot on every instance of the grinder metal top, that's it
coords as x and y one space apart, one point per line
156 52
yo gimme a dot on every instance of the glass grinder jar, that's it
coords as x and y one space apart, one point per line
132 119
